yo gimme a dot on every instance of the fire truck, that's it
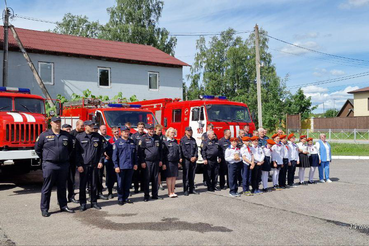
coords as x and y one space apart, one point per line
219 111
111 114
22 119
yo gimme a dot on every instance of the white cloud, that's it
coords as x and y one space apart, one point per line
336 72
319 72
354 4
314 89
306 35
297 51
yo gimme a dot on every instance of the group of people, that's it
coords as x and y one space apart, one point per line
136 160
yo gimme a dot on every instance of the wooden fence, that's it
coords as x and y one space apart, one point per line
293 122
361 122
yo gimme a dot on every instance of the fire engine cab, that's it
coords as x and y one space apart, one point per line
111 114
22 119
219 111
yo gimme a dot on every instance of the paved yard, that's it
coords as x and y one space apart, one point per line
335 213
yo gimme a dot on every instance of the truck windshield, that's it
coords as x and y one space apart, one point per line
119 118
230 113
5 104
29 105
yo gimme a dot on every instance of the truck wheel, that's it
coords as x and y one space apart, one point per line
22 166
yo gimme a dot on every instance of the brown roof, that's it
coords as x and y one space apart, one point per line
52 43
365 89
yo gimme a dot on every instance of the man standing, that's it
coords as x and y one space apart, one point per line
79 128
54 148
137 174
90 156
246 128
111 177
125 161
224 143
150 155
211 154
262 138
205 137
189 156
72 166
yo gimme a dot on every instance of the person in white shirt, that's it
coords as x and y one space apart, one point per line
304 159
293 153
267 165
248 162
232 156
325 156
283 171
313 158
259 156
277 156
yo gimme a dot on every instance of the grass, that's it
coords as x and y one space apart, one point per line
340 135
350 149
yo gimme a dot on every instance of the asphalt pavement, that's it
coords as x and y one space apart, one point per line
318 214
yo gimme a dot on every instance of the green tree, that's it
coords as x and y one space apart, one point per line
299 103
135 21
331 113
78 25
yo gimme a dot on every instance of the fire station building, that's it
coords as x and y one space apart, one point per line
70 64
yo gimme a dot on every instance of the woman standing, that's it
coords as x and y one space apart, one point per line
313 158
171 159
304 159
325 154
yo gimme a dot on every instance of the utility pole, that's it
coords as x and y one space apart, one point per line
5 46
258 80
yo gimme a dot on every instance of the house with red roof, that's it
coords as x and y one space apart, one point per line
70 64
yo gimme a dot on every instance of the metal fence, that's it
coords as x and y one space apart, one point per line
334 134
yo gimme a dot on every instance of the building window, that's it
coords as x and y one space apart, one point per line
46 72
153 81
177 113
104 76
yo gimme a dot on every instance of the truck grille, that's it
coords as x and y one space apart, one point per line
23 133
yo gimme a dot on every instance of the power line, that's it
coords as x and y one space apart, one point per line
198 34
316 51
34 19
327 81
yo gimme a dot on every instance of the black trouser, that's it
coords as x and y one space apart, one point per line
233 170
99 184
291 173
138 178
111 176
223 173
189 171
283 173
124 180
151 175
239 176
212 171
255 177
71 180
90 174
54 174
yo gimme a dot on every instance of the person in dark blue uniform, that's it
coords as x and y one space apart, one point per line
224 143
54 147
90 156
171 159
150 156
211 153
204 137
72 167
189 152
138 174
125 161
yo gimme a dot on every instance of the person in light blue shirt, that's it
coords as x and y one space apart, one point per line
325 156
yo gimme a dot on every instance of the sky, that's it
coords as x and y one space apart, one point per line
338 28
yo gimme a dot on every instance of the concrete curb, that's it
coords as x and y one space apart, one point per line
344 157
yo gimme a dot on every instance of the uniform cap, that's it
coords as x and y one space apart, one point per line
275 135
270 141
302 136
55 118
282 136
188 128
246 138
254 138
310 139
66 126
149 126
95 126
124 128
234 139
88 123
290 136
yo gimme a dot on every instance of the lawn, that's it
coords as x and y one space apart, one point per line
350 149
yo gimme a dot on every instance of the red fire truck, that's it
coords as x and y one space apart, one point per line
219 111
22 119
109 113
